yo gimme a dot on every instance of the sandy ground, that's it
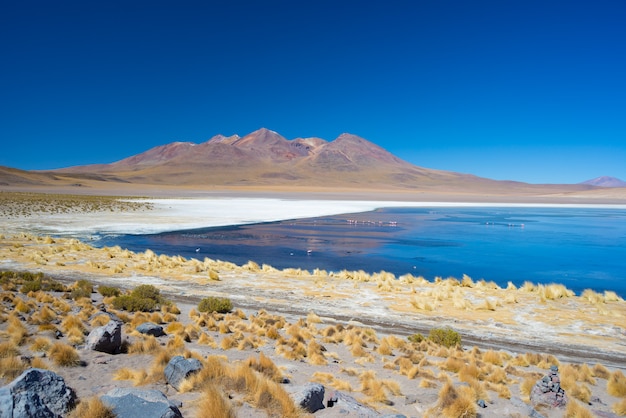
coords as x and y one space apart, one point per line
570 329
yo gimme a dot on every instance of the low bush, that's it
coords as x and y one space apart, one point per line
81 289
133 304
144 298
108 291
31 286
215 304
446 337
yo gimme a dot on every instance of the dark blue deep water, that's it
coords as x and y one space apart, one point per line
580 248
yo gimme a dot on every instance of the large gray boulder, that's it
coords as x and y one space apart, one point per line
150 328
107 338
309 397
36 393
179 368
137 403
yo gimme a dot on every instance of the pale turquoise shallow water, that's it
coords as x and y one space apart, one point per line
581 248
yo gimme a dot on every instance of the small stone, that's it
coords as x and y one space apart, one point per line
150 328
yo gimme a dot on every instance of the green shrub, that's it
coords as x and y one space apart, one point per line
445 336
80 292
133 304
215 304
50 285
31 286
30 282
147 291
81 289
84 284
416 338
107 291
144 298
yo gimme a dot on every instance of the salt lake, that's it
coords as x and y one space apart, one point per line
578 247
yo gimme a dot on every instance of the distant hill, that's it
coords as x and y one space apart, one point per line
265 159
605 181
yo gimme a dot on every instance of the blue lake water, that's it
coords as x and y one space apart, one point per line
580 248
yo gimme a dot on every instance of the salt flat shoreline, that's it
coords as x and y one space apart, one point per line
176 213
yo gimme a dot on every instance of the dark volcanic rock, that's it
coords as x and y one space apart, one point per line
36 393
136 403
150 328
179 368
310 397
107 338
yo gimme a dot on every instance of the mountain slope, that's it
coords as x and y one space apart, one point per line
605 181
265 159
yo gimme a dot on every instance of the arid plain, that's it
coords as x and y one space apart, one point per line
346 330
379 344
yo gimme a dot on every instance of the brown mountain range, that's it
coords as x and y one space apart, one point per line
264 159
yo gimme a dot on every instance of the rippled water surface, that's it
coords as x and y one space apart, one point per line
581 248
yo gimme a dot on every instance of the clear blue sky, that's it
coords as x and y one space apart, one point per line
527 90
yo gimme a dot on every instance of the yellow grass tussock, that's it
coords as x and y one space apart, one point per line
213 404
576 410
11 367
100 320
16 330
72 322
453 403
600 371
91 408
619 407
493 357
8 349
616 385
64 355
145 345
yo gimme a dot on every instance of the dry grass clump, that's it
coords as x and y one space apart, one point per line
11 367
576 410
64 355
44 316
265 366
16 331
92 408
138 377
453 403
616 385
41 344
315 353
527 386
378 390
258 389
71 322
292 349
213 404
554 291
8 349
619 407
599 370
452 364
469 372
146 345
493 357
